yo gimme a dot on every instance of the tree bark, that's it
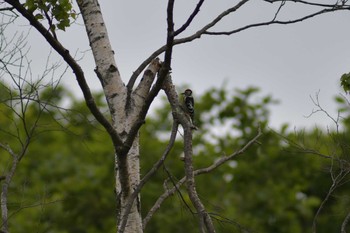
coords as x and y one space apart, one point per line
126 161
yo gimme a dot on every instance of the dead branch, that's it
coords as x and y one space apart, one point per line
205 221
197 172
328 8
316 102
190 18
227 33
335 5
197 35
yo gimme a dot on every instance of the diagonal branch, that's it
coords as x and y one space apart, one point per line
204 30
79 74
201 171
227 33
279 9
197 35
190 19
309 3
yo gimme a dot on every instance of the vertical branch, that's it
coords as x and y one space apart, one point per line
205 221
204 218
170 35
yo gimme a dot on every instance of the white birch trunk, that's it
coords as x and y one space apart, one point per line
134 222
127 166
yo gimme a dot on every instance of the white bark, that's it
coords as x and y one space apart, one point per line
127 166
134 220
106 67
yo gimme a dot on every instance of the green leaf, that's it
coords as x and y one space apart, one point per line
39 16
345 82
339 100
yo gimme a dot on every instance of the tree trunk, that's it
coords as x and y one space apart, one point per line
123 114
134 220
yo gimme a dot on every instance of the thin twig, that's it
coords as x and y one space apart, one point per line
197 172
190 19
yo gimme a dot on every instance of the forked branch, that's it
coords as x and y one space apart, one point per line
205 30
197 172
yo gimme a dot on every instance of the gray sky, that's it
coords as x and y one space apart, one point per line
290 62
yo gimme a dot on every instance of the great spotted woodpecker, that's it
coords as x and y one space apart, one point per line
188 104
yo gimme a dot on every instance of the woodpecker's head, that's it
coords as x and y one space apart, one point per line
188 92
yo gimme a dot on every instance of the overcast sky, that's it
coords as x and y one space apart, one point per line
290 62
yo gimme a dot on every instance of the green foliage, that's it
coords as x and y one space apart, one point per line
66 177
274 187
65 182
345 82
58 13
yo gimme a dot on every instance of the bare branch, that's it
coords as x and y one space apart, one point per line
162 75
201 171
204 30
64 53
316 102
197 35
190 19
279 9
160 200
336 5
8 149
205 221
323 11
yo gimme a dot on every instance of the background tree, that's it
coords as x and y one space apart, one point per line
278 185
23 104
128 105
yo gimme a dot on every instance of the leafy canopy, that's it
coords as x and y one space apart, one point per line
65 182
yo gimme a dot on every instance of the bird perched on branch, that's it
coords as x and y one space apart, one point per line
188 104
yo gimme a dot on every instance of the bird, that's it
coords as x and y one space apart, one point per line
188 104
